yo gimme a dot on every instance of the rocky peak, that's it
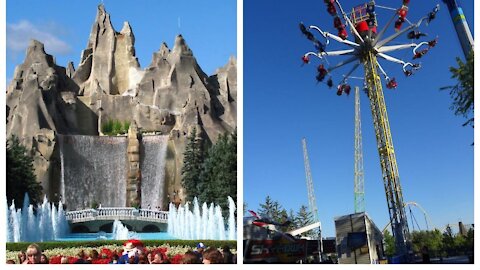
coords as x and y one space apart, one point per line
70 69
36 54
160 57
164 50
101 26
109 60
127 31
232 61
180 47
35 46
37 67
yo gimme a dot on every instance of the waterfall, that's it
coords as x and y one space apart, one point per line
93 170
23 225
62 170
209 224
152 167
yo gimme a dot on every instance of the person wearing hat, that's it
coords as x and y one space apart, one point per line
199 251
129 251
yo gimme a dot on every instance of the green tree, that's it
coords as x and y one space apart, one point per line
448 241
460 243
303 218
271 209
469 241
192 165
433 240
219 174
20 175
291 217
389 244
462 92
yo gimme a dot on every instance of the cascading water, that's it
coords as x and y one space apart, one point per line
119 232
93 170
185 224
23 225
152 167
232 228
62 169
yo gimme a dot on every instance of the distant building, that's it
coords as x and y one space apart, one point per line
464 228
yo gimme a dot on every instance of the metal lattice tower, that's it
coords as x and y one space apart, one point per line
359 191
312 203
388 160
365 49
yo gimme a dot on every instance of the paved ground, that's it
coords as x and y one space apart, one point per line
450 260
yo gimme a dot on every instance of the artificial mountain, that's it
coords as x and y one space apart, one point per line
170 97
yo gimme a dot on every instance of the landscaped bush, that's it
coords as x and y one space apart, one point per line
126 126
117 127
173 249
98 243
107 127
114 127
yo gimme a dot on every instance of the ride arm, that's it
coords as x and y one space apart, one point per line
392 37
345 17
350 72
334 37
382 32
349 60
319 55
382 71
392 48
391 59
418 46
304 229
337 53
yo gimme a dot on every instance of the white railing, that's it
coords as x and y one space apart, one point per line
122 213
81 215
153 214
116 212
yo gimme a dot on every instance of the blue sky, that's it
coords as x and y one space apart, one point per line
283 104
209 27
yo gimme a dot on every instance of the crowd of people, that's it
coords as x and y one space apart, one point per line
133 252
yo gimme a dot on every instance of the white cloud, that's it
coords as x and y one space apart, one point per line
19 36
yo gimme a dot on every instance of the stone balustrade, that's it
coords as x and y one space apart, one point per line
153 214
120 213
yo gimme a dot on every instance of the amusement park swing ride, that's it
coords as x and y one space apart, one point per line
366 48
